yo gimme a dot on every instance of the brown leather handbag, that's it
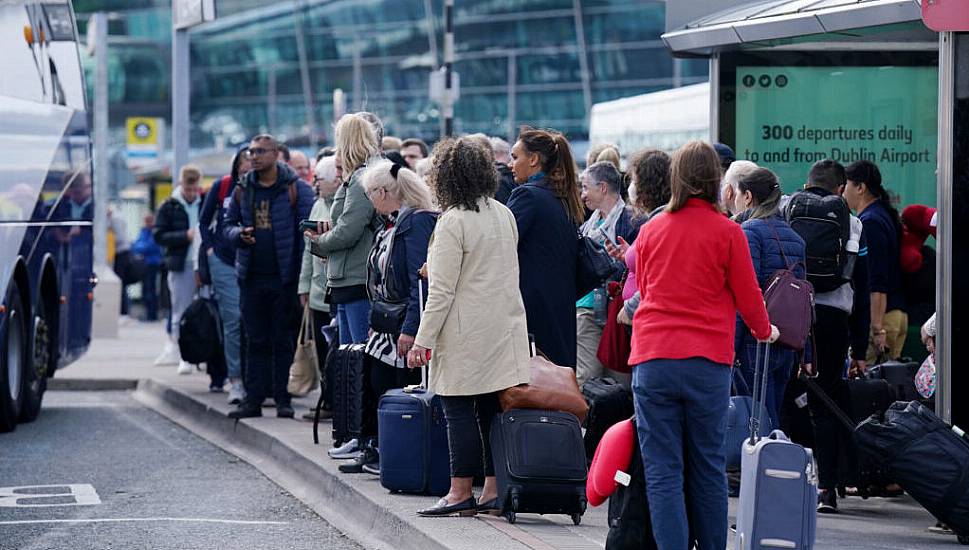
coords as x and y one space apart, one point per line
552 388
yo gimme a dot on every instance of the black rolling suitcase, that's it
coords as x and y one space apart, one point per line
609 403
900 375
539 463
926 456
345 371
630 526
867 397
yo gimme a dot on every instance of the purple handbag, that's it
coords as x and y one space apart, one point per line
790 303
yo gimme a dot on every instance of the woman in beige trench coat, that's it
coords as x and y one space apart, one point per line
474 320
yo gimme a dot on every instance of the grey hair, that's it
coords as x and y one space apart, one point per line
374 120
605 172
326 169
739 169
500 147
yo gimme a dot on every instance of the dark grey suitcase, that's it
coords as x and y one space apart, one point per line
540 463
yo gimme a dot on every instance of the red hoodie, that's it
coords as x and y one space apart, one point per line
695 273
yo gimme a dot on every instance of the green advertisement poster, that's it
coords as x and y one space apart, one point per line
790 117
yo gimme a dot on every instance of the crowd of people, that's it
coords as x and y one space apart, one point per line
488 234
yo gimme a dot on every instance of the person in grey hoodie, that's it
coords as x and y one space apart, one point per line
175 231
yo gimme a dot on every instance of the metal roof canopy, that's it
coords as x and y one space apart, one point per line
784 19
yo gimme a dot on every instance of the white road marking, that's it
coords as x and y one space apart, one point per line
39 496
133 520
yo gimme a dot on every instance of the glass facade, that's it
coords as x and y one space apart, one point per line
541 62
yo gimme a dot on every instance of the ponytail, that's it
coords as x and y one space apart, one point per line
766 190
559 167
864 171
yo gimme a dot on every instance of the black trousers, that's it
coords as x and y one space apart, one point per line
832 339
320 320
267 307
469 419
379 378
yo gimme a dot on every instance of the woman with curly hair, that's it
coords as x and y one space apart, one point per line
469 260
649 191
548 210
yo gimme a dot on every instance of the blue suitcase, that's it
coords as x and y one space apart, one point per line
739 412
412 438
778 489
413 442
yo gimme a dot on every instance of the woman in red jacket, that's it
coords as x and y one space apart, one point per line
695 273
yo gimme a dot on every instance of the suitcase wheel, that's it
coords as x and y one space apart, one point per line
510 516
514 503
963 539
576 518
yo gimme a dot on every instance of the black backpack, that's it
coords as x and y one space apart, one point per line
200 332
825 225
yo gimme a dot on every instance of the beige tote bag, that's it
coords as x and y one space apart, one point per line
304 373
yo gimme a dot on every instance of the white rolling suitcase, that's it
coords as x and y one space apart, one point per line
778 486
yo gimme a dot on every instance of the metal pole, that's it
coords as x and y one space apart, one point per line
583 58
357 77
448 105
944 191
304 72
181 88
101 168
271 98
715 98
512 96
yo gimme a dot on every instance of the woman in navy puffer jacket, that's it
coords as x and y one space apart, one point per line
773 246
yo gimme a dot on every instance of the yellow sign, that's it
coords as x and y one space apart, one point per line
143 131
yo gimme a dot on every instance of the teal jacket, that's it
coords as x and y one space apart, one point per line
347 245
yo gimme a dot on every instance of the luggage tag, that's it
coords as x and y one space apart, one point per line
623 478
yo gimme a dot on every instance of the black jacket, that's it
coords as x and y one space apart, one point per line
506 183
170 232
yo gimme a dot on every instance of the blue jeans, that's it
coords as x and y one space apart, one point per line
681 420
226 286
267 307
353 318
778 373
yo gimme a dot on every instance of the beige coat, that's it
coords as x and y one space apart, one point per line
474 320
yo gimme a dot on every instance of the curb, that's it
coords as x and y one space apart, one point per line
330 496
87 384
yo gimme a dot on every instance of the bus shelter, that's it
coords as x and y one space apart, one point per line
796 81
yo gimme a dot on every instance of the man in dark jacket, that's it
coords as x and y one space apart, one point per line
506 180
263 222
175 232
842 319
221 255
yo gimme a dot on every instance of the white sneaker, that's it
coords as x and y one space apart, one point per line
236 393
185 368
350 449
169 355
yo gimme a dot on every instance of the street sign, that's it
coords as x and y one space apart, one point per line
437 86
188 13
145 139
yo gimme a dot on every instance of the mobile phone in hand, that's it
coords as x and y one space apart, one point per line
309 225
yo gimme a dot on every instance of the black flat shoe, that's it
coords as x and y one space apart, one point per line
246 411
490 507
442 509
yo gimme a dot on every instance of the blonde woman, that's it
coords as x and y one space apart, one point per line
347 244
399 252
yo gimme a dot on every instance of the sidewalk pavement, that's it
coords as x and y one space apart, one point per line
283 450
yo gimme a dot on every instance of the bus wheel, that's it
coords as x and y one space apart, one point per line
36 373
13 359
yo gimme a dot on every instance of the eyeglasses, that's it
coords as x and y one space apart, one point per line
373 191
254 151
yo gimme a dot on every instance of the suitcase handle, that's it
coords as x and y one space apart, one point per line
422 387
760 390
